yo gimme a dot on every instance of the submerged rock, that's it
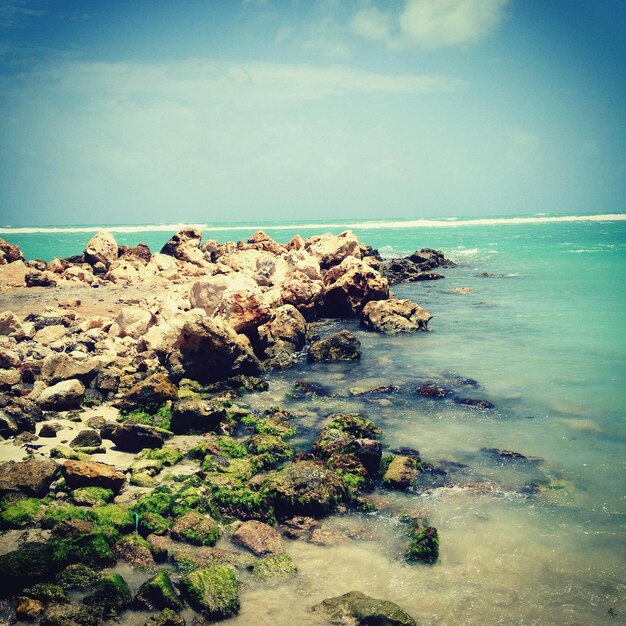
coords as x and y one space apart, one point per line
401 473
340 346
424 546
357 609
274 567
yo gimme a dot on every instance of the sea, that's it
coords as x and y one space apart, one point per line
537 329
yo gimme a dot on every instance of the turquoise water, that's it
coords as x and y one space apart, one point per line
543 336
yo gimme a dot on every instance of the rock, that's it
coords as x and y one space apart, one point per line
282 336
50 429
305 488
132 437
330 250
102 248
29 609
274 567
9 253
110 596
208 350
92 474
350 285
369 452
29 564
262 241
60 366
149 394
50 334
298 527
167 617
77 576
401 473
65 395
87 438
303 292
14 274
394 316
191 416
427 258
33 477
340 346
259 538
424 546
131 321
157 593
482 405
184 246
134 550
195 528
325 537
71 614
357 609
8 378
11 326
213 591
40 279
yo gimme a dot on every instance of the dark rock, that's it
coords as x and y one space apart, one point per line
32 477
185 246
87 438
132 437
208 350
482 405
149 394
298 527
39 279
72 614
213 591
191 416
433 390
357 609
341 346
368 452
110 596
424 546
427 258
28 565
157 593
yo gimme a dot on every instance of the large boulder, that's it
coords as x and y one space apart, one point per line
33 477
340 346
233 297
184 246
59 366
65 395
261 539
131 321
265 268
157 593
92 474
208 350
357 609
394 316
282 336
132 437
14 274
331 250
350 285
102 248
212 591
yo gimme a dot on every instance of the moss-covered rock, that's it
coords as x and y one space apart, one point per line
355 608
78 541
134 549
115 516
424 546
72 614
110 596
401 473
157 593
65 452
167 455
213 591
304 488
21 513
159 501
77 576
91 496
243 503
62 512
31 564
274 426
269 449
197 529
355 425
152 523
274 567
143 479
47 593
167 617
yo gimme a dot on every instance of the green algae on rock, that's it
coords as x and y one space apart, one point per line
157 593
197 529
274 567
110 596
424 546
357 609
213 591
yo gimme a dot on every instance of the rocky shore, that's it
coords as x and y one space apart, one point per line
121 378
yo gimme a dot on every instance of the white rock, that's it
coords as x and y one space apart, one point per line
131 321
68 394
102 248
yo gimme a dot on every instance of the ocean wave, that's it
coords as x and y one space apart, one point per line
374 225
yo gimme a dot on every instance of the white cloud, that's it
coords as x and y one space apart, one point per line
13 11
431 23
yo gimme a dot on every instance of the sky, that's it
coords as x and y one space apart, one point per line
152 111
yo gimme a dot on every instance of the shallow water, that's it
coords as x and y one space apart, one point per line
543 338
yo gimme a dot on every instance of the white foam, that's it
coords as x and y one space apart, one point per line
418 223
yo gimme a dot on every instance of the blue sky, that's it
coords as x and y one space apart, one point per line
239 110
